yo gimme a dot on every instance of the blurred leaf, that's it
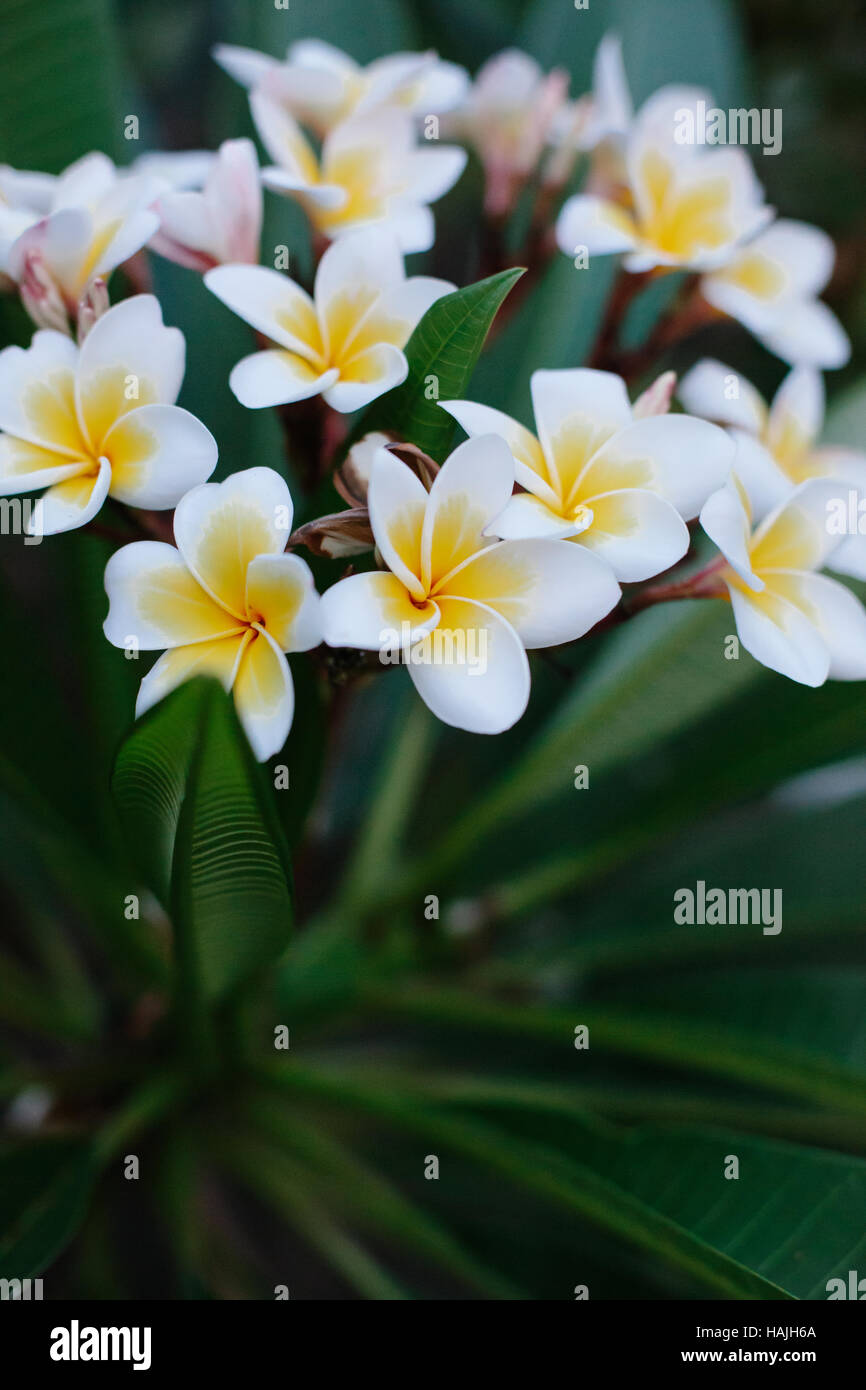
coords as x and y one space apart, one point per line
69 51
663 41
197 811
45 1187
445 346
655 676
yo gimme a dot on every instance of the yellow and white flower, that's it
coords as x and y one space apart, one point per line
772 285
793 620
346 342
508 117
777 445
320 85
98 217
99 420
226 602
595 474
220 224
449 580
689 206
371 170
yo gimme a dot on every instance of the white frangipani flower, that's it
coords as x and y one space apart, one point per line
320 85
508 117
793 620
614 483
371 170
481 602
346 342
220 224
227 602
777 446
98 217
772 285
690 206
99 420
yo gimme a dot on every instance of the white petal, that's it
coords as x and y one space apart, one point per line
129 359
850 557
526 516
593 224
786 642
245 65
560 395
221 527
716 392
799 404
807 331
397 500
37 394
487 690
530 466
840 619
636 532
155 601
374 613
366 376
726 522
368 260
805 253
548 590
681 458
72 503
797 534
281 591
432 172
219 659
270 302
765 484
470 490
158 453
24 467
276 377
264 696
328 197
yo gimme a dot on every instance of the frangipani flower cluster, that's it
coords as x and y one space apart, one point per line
320 85
689 207
97 421
344 341
447 574
777 445
791 618
522 538
594 474
228 602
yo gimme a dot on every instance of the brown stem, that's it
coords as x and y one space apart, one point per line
605 355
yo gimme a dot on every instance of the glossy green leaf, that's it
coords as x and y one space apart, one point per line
441 353
197 811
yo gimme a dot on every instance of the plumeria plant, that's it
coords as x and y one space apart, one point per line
454 416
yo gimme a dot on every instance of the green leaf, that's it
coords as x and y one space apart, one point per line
45 1187
445 345
794 1216
655 677
69 51
197 811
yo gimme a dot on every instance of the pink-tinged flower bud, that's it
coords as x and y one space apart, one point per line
41 296
220 225
656 399
91 306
